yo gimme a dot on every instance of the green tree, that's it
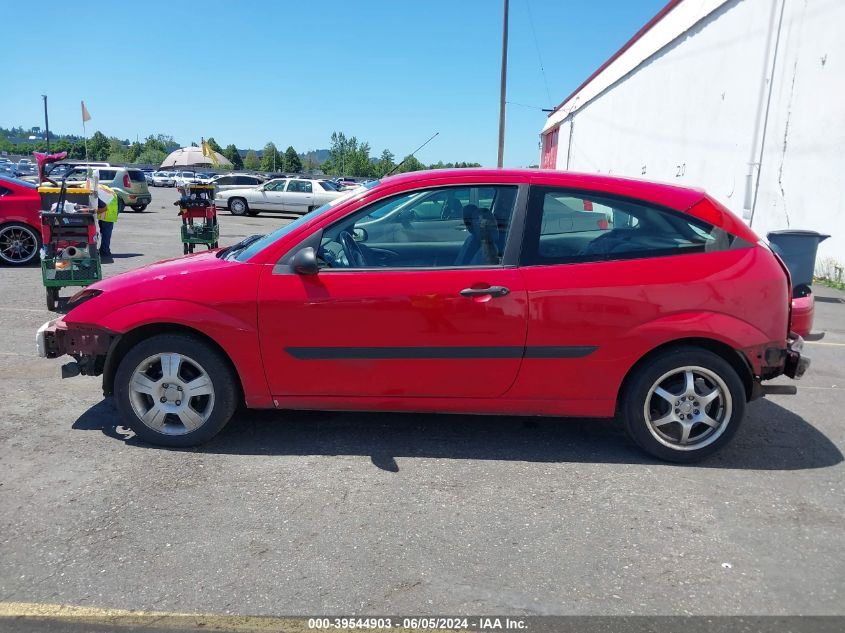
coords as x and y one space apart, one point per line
234 157
272 160
347 157
154 143
151 157
385 163
134 151
292 162
411 164
98 146
213 145
251 161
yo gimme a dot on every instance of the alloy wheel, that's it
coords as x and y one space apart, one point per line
688 408
18 244
171 393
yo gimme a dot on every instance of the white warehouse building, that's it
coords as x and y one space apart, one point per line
743 98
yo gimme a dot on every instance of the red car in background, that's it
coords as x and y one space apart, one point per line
20 224
461 291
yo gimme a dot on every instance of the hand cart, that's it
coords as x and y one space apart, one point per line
69 255
199 217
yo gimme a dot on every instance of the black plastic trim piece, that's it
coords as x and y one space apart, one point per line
419 353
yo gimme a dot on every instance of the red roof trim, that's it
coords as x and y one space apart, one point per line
660 15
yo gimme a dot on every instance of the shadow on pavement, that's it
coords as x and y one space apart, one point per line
771 438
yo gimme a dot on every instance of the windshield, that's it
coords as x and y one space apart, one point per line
270 238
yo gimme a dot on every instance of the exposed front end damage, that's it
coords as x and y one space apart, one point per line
88 345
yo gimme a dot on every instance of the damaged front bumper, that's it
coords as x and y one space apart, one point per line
88 345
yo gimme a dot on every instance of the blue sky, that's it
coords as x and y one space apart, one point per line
248 72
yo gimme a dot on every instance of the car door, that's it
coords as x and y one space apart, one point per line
299 196
272 195
599 271
413 328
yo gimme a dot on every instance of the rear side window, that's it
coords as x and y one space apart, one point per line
136 175
565 227
107 174
300 186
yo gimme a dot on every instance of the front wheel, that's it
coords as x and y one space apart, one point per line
52 298
175 390
238 206
683 405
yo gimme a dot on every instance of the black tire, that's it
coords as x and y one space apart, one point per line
52 298
668 373
185 248
195 353
191 248
252 213
138 208
24 242
238 206
121 205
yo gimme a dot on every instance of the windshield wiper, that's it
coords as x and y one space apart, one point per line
234 248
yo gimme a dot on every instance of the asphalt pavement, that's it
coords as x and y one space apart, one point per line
359 513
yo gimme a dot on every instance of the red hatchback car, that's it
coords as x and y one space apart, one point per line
20 225
460 291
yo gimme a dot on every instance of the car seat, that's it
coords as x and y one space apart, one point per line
481 246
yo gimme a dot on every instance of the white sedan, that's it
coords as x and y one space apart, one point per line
287 195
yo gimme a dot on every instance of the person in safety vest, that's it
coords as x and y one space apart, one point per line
107 216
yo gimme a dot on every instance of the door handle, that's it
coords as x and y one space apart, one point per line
493 291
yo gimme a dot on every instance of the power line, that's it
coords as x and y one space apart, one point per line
539 57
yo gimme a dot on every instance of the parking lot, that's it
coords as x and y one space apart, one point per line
312 512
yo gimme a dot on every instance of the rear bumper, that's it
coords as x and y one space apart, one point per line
795 365
803 312
141 198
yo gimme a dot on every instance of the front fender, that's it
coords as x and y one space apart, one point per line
237 337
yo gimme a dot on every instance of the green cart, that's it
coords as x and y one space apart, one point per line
69 256
199 217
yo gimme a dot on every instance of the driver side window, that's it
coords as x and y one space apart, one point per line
431 228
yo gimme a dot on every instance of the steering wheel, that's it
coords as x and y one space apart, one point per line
353 252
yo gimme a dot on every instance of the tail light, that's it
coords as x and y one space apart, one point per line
603 224
126 182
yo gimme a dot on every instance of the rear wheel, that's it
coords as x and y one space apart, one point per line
19 244
138 208
238 206
683 405
175 390
121 205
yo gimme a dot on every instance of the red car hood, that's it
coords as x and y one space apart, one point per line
161 272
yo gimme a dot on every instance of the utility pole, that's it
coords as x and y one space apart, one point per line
503 90
46 123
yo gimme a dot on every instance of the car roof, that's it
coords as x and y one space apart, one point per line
666 194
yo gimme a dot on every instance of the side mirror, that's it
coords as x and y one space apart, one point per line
305 262
360 234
